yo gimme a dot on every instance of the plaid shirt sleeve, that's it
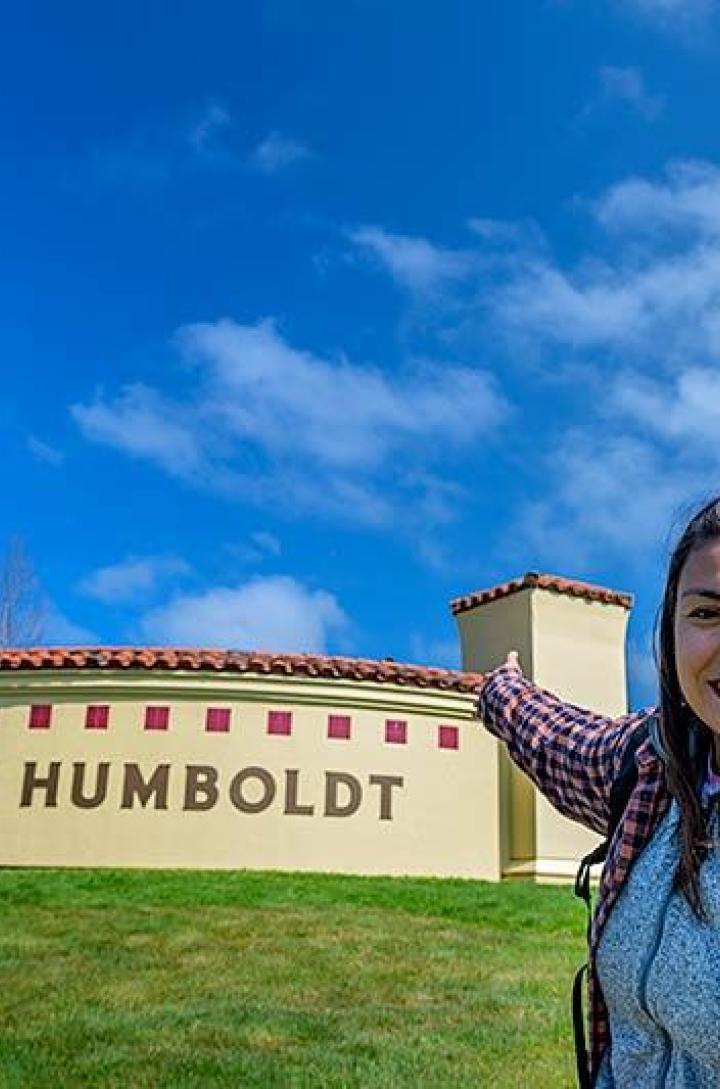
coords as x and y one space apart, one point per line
572 755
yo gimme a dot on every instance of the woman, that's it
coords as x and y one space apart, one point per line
654 963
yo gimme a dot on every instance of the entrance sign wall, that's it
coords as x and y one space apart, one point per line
137 757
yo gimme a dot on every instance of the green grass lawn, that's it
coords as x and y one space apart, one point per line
179 979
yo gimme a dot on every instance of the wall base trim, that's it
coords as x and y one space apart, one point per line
543 870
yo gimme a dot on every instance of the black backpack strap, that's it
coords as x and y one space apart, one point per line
582 889
624 785
620 793
578 1016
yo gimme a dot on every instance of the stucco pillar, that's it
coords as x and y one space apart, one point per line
570 637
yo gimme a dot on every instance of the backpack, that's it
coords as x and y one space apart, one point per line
620 793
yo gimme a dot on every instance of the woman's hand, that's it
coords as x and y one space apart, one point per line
512 661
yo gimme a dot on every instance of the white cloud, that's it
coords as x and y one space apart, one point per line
605 495
671 14
651 288
340 497
645 292
44 452
276 613
141 422
164 151
341 414
213 119
686 201
268 422
260 545
59 630
627 84
636 323
268 542
684 410
523 233
582 310
670 7
444 653
414 263
277 152
132 579
161 151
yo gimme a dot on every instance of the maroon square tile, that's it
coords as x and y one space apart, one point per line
217 720
157 718
396 731
339 726
97 717
279 722
40 716
448 737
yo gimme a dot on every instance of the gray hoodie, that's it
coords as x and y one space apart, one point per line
659 968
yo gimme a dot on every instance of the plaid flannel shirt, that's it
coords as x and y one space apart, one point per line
573 756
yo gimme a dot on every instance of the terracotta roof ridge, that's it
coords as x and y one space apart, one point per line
536 579
217 659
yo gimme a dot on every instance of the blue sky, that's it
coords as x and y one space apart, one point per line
317 315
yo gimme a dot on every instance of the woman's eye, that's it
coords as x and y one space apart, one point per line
704 614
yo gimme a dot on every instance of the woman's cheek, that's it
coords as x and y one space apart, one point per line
690 655
698 661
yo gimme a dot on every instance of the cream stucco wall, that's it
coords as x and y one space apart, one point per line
247 798
489 631
579 650
575 647
579 654
486 634
441 818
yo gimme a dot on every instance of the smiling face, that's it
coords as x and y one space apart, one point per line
697 635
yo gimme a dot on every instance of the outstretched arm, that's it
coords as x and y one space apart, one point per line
572 755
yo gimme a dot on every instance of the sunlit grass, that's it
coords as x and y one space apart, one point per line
180 979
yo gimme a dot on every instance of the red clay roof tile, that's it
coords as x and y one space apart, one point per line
532 579
384 671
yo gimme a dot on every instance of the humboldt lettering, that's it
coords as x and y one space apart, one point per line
249 790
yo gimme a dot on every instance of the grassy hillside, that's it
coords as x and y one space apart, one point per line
186 979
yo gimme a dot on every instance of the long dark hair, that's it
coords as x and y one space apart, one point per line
685 738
